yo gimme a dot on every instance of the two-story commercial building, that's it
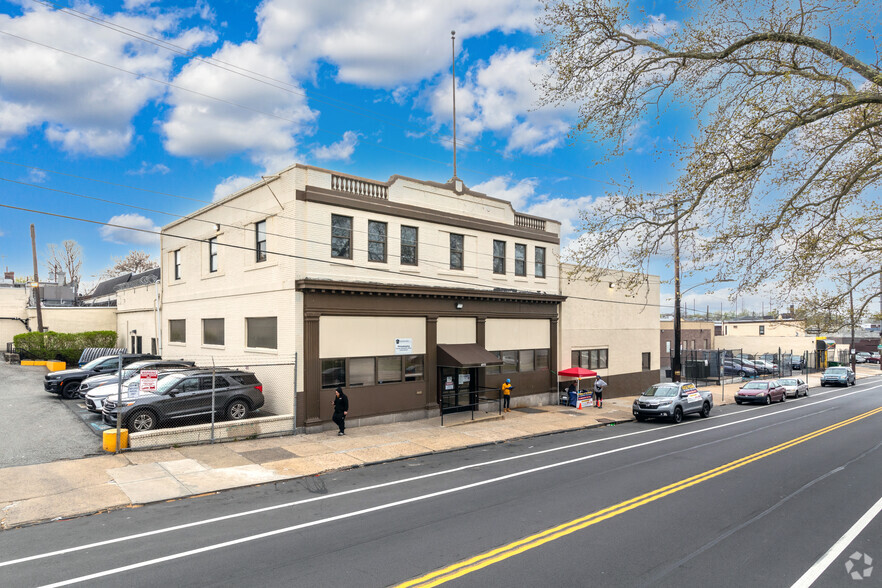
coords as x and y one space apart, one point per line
408 294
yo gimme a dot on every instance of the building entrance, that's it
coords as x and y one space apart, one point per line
458 387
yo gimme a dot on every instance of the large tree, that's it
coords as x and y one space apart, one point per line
780 182
66 259
134 262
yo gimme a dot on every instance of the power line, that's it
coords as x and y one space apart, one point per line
305 258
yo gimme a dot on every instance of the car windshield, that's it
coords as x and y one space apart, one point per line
95 363
836 371
661 390
756 386
788 382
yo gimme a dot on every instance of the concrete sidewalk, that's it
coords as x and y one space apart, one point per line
64 489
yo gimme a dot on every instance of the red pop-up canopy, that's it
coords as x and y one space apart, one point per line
577 372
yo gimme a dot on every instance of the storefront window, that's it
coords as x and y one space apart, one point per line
361 371
509 362
388 369
333 373
413 368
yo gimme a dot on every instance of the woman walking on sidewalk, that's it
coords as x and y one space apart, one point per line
341 409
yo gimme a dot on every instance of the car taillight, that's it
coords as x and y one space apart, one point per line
259 388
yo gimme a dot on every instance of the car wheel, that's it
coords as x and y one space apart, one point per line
677 417
768 399
784 397
237 410
742 374
737 402
805 393
70 390
705 410
142 420
823 384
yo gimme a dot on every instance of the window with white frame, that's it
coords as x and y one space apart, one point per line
262 332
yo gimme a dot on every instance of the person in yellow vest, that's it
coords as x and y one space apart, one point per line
506 395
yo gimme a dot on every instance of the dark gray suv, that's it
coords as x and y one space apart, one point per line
182 397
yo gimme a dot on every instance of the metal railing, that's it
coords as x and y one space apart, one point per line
450 401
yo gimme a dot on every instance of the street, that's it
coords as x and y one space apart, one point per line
752 496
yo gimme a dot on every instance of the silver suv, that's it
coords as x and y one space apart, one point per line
182 397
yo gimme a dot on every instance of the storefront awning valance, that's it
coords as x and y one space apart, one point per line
465 355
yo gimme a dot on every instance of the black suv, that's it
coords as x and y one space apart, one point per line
182 396
67 382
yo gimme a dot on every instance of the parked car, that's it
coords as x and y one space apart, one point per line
743 367
180 396
67 382
761 391
838 376
795 387
862 356
768 357
672 400
129 371
874 358
797 362
97 388
735 368
765 367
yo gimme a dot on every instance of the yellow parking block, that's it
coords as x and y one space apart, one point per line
110 439
56 366
28 362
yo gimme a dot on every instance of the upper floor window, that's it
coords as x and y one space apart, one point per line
177 263
409 236
456 251
212 254
762 329
646 362
540 262
260 237
341 236
520 259
261 332
591 359
498 257
376 241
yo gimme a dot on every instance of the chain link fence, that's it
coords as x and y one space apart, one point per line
710 366
221 398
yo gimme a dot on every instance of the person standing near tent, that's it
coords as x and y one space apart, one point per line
506 395
599 385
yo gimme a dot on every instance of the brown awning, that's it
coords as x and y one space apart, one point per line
465 355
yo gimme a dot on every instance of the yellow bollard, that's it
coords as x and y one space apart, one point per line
110 440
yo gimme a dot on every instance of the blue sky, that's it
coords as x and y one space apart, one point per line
167 106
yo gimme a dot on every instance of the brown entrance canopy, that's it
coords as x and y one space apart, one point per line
465 355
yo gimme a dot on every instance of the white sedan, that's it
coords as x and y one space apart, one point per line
794 387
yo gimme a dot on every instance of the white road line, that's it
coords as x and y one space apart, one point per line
812 574
164 530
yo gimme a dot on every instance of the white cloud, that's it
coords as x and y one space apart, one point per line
397 42
499 96
147 169
36 176
122 235
341 150
231 185
506 188
199 126
85 107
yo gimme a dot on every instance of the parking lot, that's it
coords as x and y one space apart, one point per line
37 426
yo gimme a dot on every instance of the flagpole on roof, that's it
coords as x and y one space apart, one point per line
453 60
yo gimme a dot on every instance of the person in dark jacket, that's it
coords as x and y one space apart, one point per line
341 409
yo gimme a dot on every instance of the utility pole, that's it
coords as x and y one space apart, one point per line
851 320
36 283
453 60
675 366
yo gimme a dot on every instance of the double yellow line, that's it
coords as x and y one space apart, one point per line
506 551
